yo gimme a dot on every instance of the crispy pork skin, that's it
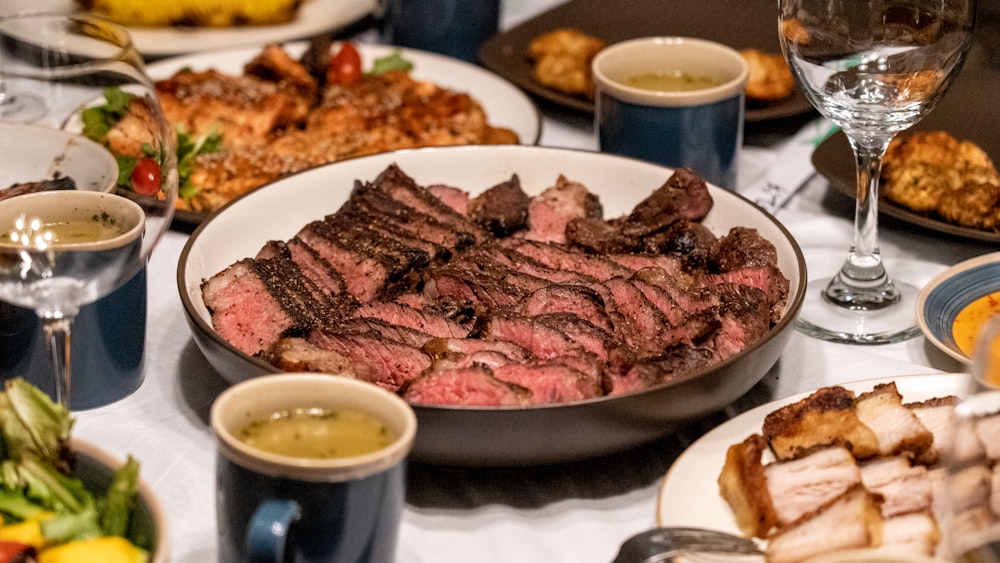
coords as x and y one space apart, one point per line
827 417
802 486
743 485
897 428
849 521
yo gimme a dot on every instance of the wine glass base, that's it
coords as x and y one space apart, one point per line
822 319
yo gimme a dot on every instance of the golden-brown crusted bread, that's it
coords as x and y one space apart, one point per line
827 417
562 60
743 485
770 80
933 172
206 13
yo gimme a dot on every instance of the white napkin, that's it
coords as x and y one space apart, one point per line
790 166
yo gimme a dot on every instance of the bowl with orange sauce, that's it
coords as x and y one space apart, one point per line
955 305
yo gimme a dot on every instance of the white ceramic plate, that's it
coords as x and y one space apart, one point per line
31 153
314 17
944 297
469 436
689 494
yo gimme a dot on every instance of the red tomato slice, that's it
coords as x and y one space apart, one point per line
345 66
146 176
14 552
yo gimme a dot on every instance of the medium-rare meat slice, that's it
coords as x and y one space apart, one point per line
445 347
582 301
597 236
904 487
848 522
673 363
502 209
391 332
898 430
690 241
313 266
563 258
399 233
744 487
803 486
744 256
465 285
368 270
455 198
425 321
683 196
541 339
643 326
391 363
369 199
472 386
593 339
550 211
742 317
254 302
551 381
404 189
298 354
824 418
937 416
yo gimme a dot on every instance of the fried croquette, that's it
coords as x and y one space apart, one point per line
562 60
932 172
770 80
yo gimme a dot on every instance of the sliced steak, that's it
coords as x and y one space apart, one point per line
551 381
455 198
550 211
474 287
583 301
472 386
443 347
384 330
683 196
593 339
560 257
744 256
404 189
391 363
502 209
597 236
424 321
298 354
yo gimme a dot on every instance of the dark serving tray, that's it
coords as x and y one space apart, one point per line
741 24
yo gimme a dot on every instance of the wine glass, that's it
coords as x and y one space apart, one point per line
52 259
874 68
971 523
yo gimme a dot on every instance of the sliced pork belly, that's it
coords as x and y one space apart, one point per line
914 534
743 485
850 521
827 417
904 487
936 415
801 486
897 428
988 429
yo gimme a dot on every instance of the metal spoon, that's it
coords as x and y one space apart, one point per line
662 545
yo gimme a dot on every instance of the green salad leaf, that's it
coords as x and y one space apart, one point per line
395 61
36 472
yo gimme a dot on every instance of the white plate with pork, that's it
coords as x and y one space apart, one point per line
484 435
689 494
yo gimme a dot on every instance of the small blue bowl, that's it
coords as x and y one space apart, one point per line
944 297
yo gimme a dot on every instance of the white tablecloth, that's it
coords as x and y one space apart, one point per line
574 512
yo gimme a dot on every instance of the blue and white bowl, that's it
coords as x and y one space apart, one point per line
944 297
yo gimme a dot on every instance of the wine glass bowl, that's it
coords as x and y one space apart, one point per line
874 69
96 92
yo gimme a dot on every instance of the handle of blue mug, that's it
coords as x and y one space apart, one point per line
267 532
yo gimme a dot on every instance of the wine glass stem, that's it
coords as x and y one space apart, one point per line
862 282
57 335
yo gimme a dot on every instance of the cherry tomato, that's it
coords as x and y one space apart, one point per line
14 552
146 177
345 66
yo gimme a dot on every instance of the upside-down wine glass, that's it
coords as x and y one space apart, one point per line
874 68
95 87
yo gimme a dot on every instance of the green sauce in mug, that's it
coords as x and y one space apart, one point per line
675 81
318 433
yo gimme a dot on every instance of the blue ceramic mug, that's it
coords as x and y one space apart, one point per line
108 347
456 28
278 508
700 128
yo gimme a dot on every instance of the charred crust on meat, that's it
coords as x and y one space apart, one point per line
743 485
826 417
